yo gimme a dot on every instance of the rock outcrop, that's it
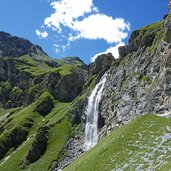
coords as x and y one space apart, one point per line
101 64
140 39
16 137
38 147
69 86
44 104
167 37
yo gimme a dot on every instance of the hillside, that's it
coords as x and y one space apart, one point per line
138 83
35 96
143 144
26 72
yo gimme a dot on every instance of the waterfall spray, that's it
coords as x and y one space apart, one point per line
91 128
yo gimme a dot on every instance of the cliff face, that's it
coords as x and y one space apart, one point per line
139 82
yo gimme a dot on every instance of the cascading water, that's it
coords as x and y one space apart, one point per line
91 128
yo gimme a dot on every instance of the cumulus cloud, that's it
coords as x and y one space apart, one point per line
81 19
100 26
95 26
42 35
112 49
67 11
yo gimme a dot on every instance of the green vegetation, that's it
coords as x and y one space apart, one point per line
143 144
71 60
153 30
60 130
152 27
66 69
5 87
58 138
143 78
40 66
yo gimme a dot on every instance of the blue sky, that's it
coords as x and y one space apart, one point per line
81 28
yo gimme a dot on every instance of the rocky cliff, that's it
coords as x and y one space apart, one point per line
139 81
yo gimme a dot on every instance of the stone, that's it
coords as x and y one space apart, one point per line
101 64
44 106
123 51
38 147
167 24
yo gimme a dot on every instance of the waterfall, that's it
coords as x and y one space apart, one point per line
91 128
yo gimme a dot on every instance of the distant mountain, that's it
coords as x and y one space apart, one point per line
26 71
12 46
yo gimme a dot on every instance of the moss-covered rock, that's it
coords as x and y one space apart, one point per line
149 36
38 147
44 104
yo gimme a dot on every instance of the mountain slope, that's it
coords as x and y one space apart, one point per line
44 141
137 83
143 144
25 73
35 99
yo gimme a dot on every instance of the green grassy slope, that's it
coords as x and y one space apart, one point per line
43 65
143 144
60 130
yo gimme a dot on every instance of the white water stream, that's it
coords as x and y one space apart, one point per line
91 128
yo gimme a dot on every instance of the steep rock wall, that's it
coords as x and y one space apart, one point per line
139 82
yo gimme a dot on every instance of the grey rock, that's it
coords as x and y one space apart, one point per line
139 83
38 147
101 64
13 46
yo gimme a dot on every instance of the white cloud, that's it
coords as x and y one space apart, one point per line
67 11
81 19
113 50
42 35
95 26
56 47
100 26
61 48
